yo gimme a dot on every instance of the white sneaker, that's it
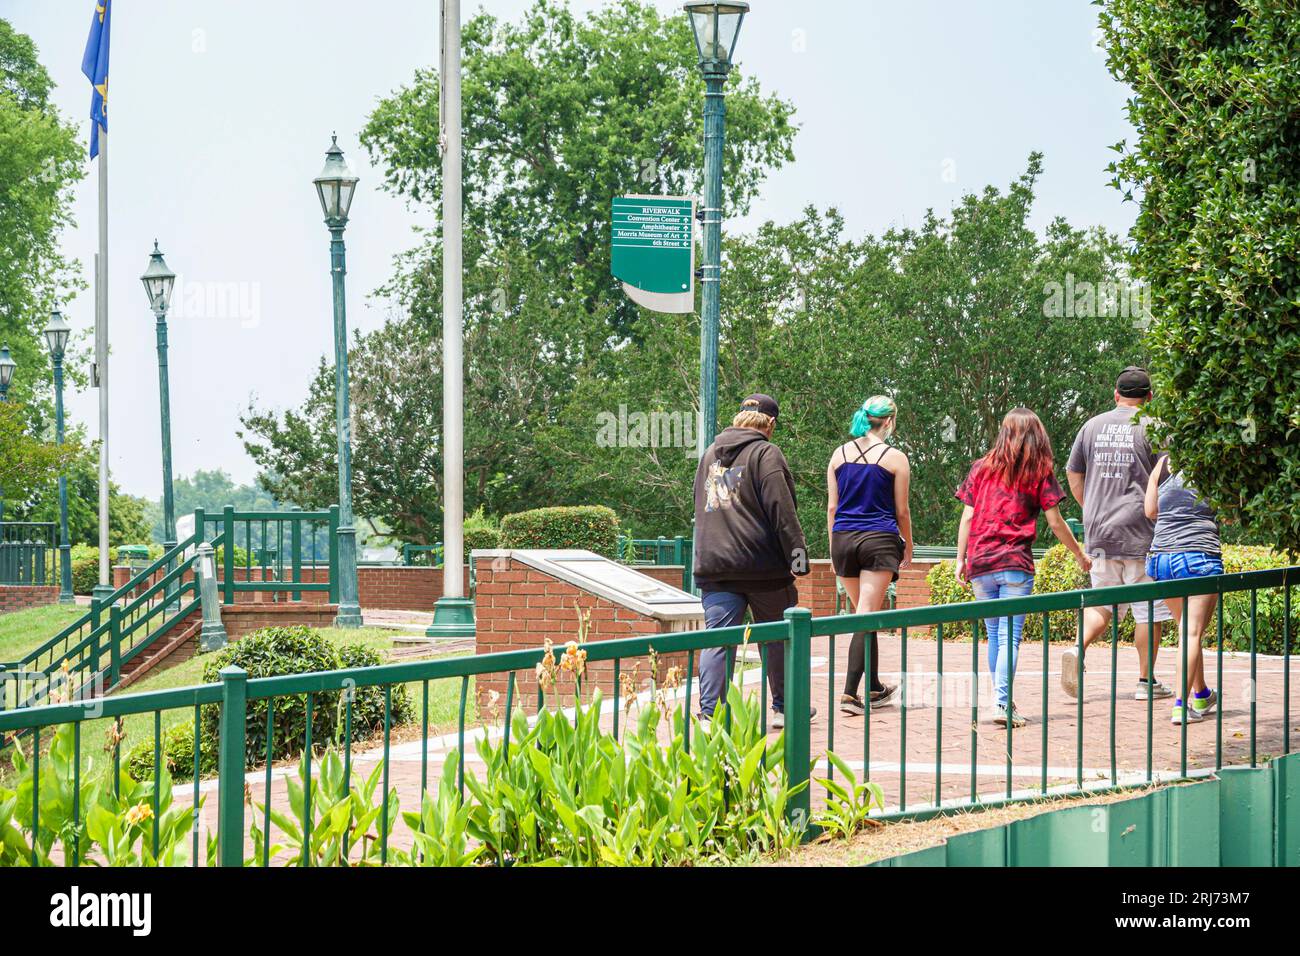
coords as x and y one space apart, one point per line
1149 691
1070 673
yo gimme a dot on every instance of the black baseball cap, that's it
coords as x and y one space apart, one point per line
1133 382
758 402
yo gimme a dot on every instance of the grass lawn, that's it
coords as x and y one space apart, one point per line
26 630
444 703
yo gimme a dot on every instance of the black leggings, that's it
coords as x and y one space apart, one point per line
857 664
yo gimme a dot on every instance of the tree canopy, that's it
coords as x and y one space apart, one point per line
1216 167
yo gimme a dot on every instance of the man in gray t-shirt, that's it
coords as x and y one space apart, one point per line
1108 470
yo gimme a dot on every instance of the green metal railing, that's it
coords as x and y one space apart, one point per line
27 552
422 555
88 656
235 692
275 552
660 551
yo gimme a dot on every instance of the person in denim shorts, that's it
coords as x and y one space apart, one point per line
1185 545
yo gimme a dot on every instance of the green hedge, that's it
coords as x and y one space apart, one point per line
1057 572
593 527
481 532
298 649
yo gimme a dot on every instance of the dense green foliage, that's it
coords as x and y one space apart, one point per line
1056 571
40 161
84 817
593 527
1216 166
298 649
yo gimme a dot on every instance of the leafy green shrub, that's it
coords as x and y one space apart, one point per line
1269 611
593 527
946 589
1215 241
107 828
368 702
566 792
481 532
178 755
298 649
1056 572
85 568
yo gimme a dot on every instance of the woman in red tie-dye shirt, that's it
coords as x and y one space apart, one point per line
1004 494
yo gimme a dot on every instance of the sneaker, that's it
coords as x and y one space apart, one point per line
1000 717
852 705
885 696
1185 715
778 718
1146 690
1203 705
1070 673
705 722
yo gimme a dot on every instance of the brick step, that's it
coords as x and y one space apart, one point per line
164 649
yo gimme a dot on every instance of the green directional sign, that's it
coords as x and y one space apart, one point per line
652 250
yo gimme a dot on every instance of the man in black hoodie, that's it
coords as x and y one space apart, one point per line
748 543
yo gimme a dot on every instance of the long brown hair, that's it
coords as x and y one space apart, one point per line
1022 455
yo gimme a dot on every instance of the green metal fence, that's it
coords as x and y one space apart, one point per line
27 552
660 551
236 692
88 656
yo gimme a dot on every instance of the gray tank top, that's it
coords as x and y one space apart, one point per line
1186 523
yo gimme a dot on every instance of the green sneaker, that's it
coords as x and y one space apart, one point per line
1185 715
1204 705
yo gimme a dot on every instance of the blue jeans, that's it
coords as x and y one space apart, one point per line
727 609
1002 652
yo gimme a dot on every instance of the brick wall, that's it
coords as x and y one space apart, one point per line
379 587
16 597
519 607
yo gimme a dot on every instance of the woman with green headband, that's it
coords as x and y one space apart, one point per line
870 526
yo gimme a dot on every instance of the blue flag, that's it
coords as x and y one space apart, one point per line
94 63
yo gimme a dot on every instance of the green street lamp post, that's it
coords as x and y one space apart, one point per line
335 187
7 366
716 26
158 281
56 338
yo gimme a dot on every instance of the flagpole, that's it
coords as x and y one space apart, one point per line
105 586
453 615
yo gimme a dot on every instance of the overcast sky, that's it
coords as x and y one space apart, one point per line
221 113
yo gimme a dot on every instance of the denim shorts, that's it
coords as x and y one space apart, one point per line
1183 564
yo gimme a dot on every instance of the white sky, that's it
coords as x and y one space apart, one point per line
221 113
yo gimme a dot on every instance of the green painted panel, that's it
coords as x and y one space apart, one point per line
930 856
1193 824
1246 817
1136 830
979 848
1286 807
1075 836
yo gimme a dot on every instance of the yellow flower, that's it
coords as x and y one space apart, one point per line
139 813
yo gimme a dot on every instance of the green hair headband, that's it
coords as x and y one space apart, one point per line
880 407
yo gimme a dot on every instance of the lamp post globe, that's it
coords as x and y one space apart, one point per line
7 367
56 340
715 27
335 187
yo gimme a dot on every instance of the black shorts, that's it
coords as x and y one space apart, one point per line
853 552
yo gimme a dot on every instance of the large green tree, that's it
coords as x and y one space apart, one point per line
960 319
40 160
1216 167
561 113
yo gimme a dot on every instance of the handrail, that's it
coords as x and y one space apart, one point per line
1056 601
